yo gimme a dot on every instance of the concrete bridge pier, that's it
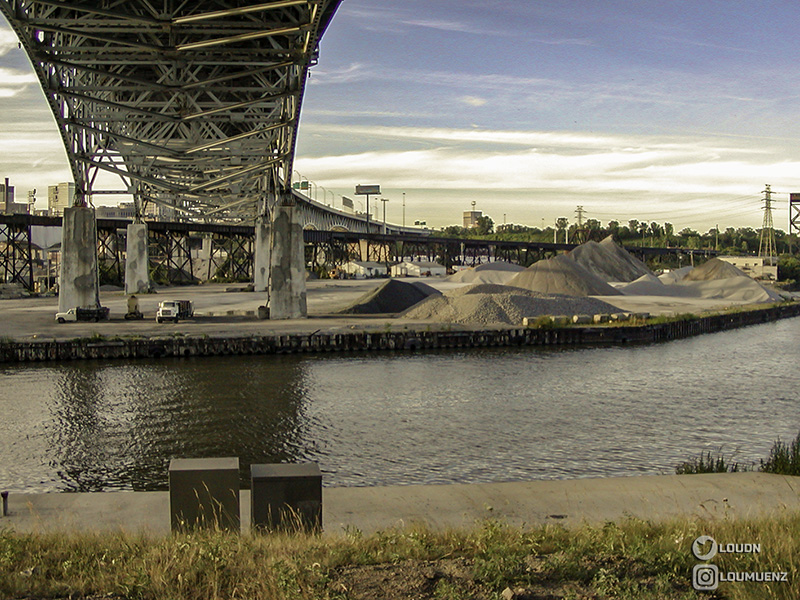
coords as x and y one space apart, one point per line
79 283
137 276
262 253
287 289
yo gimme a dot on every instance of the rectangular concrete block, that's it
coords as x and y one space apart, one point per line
286 497
204 493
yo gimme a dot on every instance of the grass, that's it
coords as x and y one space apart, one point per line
783 459
632 559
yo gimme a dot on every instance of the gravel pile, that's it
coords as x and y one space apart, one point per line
738 289
650 285
562 275
393 296
489 304
609 261
674 276
493 272
714 269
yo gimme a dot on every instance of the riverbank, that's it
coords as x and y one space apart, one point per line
624 537
371 334
566 502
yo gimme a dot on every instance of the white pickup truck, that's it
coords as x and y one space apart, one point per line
174 310
83 314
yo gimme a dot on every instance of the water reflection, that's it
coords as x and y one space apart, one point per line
117 426
489 415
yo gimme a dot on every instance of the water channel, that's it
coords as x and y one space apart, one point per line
394 418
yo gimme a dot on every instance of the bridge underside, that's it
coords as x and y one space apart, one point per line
194 105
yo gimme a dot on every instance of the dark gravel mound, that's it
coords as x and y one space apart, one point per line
393 296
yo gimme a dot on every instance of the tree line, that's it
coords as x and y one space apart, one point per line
733 241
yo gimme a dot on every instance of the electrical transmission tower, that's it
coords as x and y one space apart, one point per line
767 248
579 236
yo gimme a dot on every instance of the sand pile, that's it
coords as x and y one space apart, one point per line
562 275
650 285
494 272
714 269
609 261
393 296
488 304
675 275
735 289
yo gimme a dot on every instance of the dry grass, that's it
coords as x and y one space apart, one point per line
632 559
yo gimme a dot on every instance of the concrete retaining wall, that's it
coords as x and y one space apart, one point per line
357 341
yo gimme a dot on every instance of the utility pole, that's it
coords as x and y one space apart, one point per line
580 234
579 214
766 239
384 200
404 209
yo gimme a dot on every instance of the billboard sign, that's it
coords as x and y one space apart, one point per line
368 190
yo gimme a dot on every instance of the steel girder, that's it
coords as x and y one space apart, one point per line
194 104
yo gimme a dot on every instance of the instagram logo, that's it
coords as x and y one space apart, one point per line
705 578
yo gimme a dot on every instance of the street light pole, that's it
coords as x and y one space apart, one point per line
384 200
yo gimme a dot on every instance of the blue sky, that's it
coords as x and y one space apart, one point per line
666 110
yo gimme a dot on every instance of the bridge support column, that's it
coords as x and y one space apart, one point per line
137 261
261 258
287 290
79 284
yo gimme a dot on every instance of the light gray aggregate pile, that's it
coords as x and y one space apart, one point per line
491 304
562 275
493 272
714 269
609 261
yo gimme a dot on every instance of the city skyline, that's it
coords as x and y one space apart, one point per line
659 111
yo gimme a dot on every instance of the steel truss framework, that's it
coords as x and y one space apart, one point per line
194 104
110 262
230 258
231 252
16 256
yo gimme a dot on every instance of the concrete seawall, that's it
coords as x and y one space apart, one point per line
404 340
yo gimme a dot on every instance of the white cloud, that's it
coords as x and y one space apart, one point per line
13 82
8 40
473 100
695 177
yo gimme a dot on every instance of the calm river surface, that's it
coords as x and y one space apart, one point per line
476 416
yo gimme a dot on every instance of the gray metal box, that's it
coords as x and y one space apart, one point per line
204 493
286 497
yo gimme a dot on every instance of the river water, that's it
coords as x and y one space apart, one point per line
450 416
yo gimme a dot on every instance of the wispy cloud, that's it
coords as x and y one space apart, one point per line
452 26
8 40
474 101
589 169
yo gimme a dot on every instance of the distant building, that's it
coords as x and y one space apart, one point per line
357 269
7 203
124 210
755 266
59 197
471 218
418 269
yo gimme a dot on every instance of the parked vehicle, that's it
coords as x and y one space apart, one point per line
174 310
83 314
133 309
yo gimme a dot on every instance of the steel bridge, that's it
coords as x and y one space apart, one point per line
195 105
229 249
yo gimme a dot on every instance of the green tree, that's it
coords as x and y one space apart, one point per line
485 226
